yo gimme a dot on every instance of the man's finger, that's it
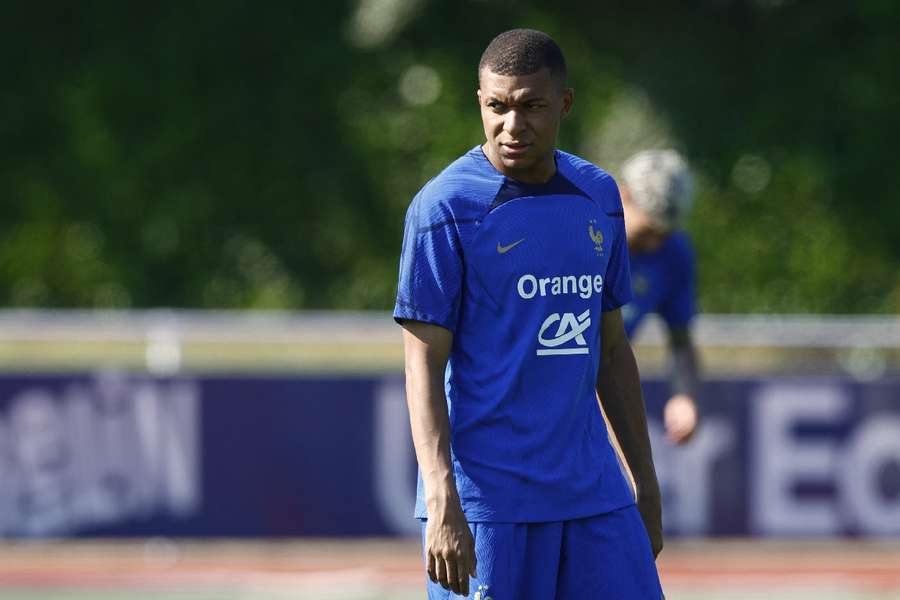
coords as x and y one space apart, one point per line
679 431
452 579
462 579
441 572
430 567
678 434
473 564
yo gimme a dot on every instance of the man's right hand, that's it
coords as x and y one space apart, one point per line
450 551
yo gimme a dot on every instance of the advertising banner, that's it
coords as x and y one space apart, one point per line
118 454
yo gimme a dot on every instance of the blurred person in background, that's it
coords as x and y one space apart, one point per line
656 188
513 273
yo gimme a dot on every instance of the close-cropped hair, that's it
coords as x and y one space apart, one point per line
523 52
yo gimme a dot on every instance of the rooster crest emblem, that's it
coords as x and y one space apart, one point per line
596 237
481 594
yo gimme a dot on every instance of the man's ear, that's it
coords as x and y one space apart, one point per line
568 101
478 95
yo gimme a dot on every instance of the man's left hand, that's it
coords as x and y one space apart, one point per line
681 418
649 506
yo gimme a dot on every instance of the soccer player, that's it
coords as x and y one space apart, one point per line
656 194
513 271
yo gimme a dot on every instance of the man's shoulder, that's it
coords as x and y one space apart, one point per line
678 249
599 184
465 185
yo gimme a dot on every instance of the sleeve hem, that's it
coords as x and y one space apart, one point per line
405 312
608 306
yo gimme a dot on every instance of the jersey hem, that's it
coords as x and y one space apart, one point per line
481 516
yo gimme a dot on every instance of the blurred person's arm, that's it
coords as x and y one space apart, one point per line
619 390
449 546
681 414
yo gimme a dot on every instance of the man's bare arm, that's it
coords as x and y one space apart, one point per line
681 414
619 389
685 375
449 546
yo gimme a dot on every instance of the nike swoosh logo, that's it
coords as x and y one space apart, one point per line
505 249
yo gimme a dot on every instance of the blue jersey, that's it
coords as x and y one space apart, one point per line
521 274
664 283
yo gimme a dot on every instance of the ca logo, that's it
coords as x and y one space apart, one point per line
570 329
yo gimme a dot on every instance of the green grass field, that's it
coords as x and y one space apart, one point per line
390 570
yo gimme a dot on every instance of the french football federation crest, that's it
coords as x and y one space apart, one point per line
596 236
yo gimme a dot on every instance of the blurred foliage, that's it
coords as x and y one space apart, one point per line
229 154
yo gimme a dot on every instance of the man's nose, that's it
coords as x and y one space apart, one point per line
515 122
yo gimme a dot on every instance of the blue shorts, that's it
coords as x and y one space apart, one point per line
604 557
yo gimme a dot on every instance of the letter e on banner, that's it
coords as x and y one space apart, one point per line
780 460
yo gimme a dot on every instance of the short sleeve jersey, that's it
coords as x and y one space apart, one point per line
664 283
521 274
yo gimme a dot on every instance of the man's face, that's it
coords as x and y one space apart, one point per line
521 116
643 232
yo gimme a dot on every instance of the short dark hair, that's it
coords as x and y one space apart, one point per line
523 52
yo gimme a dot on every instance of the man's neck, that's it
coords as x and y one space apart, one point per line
535 176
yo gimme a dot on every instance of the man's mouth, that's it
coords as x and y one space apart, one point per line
516 149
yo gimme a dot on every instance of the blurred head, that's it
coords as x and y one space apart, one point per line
523 97
657 190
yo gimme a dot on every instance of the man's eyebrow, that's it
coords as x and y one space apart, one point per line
527 96
530 95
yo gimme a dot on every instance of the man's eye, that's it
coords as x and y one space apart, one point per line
534 106
495 105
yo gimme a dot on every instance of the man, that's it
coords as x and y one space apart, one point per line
656 194
513 271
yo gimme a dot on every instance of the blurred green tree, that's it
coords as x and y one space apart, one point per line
226 155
